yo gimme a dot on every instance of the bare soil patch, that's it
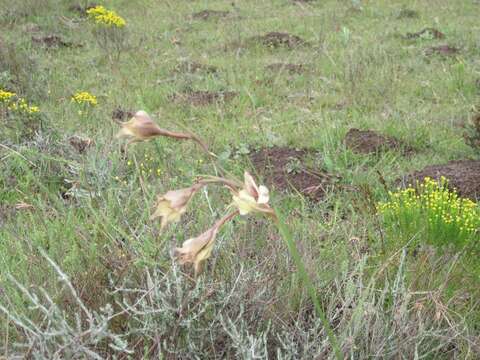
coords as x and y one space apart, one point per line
192 67
120 114
284 168
201 98
427 33
210 14
82 9
79 143
285 67
369 141
278 39
463 175
445 50
52 41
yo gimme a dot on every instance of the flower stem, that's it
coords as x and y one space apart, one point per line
292 248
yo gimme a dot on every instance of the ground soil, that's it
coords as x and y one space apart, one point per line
122 114
463 175
210 14
200 98
284 168
278 39
442 50
82 9
81 144
430 32
369 141
51 41
285 67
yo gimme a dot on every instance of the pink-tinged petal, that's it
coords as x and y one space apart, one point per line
250 185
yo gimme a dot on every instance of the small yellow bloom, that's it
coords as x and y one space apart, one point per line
84 97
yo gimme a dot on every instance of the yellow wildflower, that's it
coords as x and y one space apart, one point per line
84 97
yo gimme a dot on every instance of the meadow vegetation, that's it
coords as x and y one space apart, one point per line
361 119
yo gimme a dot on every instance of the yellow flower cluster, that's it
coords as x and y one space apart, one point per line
84 97
147 166
440 206
105 17
5 96
15 103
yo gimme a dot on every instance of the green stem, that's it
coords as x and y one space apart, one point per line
292 248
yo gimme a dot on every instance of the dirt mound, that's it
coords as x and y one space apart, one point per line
210 14
290 68
81 8
427 33
278 39
446 50
122 114
200 98
80 143
284 168
192 67
51 41
369 141
463 175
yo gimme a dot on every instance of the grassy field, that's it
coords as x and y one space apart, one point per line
84 271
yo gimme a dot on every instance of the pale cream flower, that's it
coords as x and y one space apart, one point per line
252 198
139 128
172 205
198 249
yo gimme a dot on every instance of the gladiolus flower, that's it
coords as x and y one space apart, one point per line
172 205
197 250
252 198
141 127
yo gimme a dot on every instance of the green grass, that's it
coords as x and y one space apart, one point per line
250 302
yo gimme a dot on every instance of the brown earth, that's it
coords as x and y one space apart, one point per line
290 68
369 141
200 98
82 9
278 39
463 175
431 32
192 67
51 41
283 168
210 14
121 114
442 50
80 143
